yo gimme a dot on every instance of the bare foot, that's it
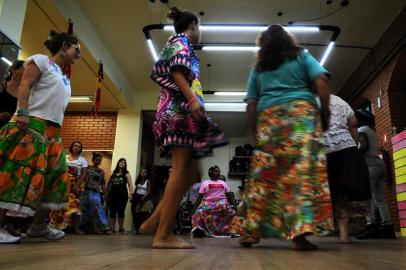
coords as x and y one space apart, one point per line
301 243
149 227
171 242
345 240
249 241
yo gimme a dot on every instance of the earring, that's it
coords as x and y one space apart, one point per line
63 53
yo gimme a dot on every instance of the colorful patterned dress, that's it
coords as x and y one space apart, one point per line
174 125
33 171
287 194
214 215
93 211
62 219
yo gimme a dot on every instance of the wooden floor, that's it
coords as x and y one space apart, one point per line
134 252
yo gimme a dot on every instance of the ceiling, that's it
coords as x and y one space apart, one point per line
362 23
119 24
41 17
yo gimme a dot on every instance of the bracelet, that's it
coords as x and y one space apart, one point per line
22 112
191 100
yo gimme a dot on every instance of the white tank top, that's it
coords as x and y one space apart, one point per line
142 189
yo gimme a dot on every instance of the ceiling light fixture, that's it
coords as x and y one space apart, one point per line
5 60
247 28
229 93
294 28
152 49
230 48
80 99
327 53
225 106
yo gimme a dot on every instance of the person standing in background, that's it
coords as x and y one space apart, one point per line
369 146
347 171
120 189
9 91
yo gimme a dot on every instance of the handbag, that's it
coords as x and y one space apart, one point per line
144 207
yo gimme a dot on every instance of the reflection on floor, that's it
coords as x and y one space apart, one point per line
133 252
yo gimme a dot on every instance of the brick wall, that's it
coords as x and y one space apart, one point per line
94 133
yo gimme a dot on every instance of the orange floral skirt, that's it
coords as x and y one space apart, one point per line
33 170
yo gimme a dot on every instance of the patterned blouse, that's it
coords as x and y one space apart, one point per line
178 53
338 136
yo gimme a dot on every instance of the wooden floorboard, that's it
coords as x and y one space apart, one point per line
134 252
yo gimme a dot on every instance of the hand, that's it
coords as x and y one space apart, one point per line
5 116
130 196
197 110
22 122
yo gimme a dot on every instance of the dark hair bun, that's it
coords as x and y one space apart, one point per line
56 40
175 14
47 42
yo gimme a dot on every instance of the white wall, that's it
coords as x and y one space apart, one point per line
12 14
221 157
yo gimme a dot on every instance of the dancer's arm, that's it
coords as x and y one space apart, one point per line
30 76
184 86
353 128
251 114
363 142
323 90
198 201
230 198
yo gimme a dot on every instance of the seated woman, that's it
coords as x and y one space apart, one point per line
214 213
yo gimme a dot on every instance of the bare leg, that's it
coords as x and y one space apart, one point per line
151 224
343 228
76 224
112 223
40 215
178 183
121 224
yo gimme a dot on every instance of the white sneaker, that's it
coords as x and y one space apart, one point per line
7 238
45 231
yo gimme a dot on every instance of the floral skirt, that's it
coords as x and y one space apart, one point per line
61 219
287 193
174 126
93 211
213 217
33 170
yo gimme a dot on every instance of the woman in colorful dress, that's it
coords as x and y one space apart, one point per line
70 217
347 171
120 189
287 194
182 129
94 215
214 213
33 171
141 199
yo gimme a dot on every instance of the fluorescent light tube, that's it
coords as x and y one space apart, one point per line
152 49
5 60
229 93
230 48
80 99
225 107
248 28
302 28
327 53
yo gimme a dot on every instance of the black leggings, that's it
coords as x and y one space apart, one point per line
117 203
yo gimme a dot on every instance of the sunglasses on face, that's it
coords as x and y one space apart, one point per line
77 48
